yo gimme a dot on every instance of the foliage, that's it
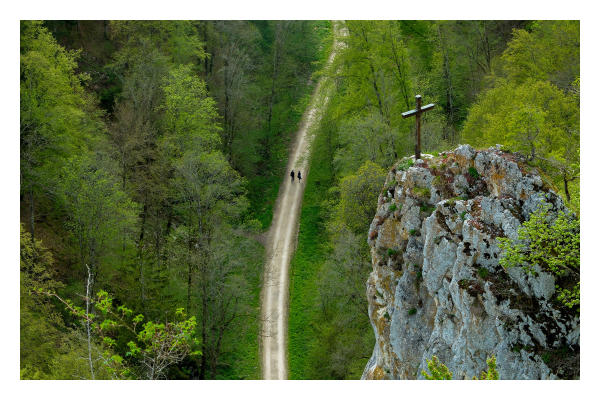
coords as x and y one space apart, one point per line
98 211
473 172
422 191
439 371
534 117
427 208
412 311
535 108
406 164
157 345
57 117
358 199
552 243
365 139
550 52
190 114
491 374
177 38
39 337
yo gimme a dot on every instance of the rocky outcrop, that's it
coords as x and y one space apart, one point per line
436 286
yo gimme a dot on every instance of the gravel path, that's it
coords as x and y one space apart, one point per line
282 239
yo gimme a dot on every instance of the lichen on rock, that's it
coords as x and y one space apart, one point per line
442 291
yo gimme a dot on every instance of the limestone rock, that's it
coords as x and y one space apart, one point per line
443 293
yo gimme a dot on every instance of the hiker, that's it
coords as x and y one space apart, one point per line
292 175
299 177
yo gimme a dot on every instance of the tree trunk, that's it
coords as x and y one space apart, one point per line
31 213
190 270
377 91
275 72
89 333
204 358
143 222
566 182
447 76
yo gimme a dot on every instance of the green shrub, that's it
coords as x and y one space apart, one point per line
421 191
517 348
412 232
427 208
555 247
462 215
392 207
492 374
406 164
473 172
439 372
412 311
483 272
386 315
391 252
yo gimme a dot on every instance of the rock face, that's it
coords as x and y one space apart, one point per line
436 286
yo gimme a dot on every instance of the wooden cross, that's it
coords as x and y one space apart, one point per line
417 113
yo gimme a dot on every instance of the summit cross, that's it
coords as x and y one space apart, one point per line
417 113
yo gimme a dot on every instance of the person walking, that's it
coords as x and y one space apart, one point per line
292 175
299 177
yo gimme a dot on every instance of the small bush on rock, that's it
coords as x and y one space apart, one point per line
439 372
406 164
554 246
473 172
422 192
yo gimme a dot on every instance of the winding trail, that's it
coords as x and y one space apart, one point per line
282 239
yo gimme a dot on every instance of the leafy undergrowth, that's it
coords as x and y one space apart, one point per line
304 269
315 338
303 288
244 362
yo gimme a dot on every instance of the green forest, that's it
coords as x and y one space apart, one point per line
151 154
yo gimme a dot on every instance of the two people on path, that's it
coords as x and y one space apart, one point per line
292 175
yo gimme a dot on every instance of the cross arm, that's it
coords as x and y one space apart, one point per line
415 112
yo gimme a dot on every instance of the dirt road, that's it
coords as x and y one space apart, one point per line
281 242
